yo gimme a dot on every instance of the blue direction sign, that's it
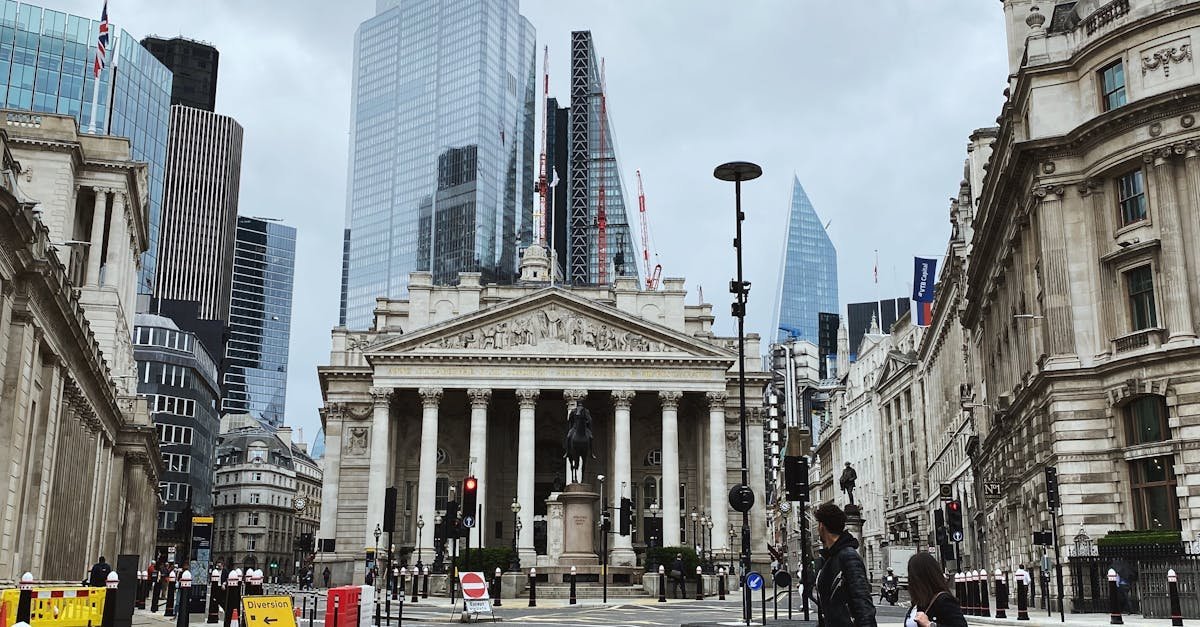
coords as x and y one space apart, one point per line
754 581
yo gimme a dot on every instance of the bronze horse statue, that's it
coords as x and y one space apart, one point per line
578 441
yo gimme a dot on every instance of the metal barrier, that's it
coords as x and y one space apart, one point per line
66 607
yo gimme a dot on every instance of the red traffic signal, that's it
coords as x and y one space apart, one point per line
470 484
954 506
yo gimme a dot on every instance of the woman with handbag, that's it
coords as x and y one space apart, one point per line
933 605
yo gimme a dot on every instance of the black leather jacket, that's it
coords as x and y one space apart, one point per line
845 593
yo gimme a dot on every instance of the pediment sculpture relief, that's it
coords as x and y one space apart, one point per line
551 326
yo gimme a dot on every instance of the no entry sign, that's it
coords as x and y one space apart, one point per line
474 586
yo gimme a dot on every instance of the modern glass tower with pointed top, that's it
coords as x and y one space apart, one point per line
441 173
808 281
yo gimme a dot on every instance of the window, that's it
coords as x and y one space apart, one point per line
251 543
1112 85
252 519
176 462
650 493
1154 502
1141 298
254 498
174 434
170 491
1131 193
1146 420
441 493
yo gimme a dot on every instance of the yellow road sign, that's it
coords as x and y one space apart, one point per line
262 611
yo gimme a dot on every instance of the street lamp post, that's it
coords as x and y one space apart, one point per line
738 171
653 528
439 542
515 566
420 526
695 541
375 555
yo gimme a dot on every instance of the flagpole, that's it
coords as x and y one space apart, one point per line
553 253
95 101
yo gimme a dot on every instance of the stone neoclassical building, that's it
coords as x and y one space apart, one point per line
475 379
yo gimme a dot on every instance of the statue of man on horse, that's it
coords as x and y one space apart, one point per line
578 441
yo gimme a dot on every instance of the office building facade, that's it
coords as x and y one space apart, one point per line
194 65
260 320
46 67
808 282
441 146
880 315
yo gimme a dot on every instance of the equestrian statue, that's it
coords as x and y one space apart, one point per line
578 441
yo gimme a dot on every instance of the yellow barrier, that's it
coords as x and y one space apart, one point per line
8 607
66 607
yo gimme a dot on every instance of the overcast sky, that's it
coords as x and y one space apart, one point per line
869 103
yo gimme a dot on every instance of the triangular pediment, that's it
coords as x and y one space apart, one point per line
550 322
894 364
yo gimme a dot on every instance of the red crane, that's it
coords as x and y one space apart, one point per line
542 188
652 276
601 219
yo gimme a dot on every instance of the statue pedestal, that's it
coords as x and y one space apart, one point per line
578 525
554 528
854 525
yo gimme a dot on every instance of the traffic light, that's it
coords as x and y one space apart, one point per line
450 520
795 477
939 528
1052 487
626 521
389 510
954 520
470 492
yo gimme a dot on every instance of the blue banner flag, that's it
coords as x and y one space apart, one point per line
924 273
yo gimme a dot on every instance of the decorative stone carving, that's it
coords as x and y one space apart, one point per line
1187 120
573 398
479 397
527 397
1164 57
1048 167
356 444
552 325
1087 186
623 398
1155 129
716 399
357 342
431 396
670 398
380 397
733 449
1041 191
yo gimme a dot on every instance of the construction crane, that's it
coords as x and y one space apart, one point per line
601 219
542 188
652 277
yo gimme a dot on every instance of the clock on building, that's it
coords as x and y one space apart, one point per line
301 503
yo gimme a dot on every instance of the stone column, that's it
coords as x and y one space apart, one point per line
573 398
1101 275
114 272
718 488
526 453
97 241
427 481
332 467
755 442
670 466
1172 267
622 546
479 437
381 462
1059 328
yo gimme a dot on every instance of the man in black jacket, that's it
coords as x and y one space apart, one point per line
842 585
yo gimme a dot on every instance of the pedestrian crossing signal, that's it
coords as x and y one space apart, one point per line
470 494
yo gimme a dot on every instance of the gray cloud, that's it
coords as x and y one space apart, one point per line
869 103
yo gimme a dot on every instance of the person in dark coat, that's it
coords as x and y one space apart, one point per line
325 575
678 578
933 605
99 574
843 590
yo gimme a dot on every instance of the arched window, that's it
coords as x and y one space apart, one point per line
1146 420
649 493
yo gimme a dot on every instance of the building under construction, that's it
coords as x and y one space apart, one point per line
587 224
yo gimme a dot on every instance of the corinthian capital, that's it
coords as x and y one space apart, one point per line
670 398
716 400
573 397
479 397
380 396
527 397
623 398
430 397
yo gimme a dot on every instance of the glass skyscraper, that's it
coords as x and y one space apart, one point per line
46 66
808 284
441 172
260 320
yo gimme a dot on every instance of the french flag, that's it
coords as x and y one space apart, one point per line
924 314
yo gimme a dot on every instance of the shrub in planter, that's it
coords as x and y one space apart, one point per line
665 555
485 560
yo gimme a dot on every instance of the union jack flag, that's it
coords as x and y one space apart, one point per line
101 42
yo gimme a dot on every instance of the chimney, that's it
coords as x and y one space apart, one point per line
285 434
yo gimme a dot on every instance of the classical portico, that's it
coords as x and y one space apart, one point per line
469 380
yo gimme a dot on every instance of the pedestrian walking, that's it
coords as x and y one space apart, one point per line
678 580
842 585
933 604
99 573
325 575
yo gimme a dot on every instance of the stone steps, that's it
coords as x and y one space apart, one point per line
586 591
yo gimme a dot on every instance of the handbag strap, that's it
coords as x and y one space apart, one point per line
931 601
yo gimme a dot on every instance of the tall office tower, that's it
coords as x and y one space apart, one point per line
51 72
199 218
828 324
260 320
558 201
194 65
441 147
592 177
883 314
808 280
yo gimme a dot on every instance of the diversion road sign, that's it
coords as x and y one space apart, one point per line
267 612
754 581
474 586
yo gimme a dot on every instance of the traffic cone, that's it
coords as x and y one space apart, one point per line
233 622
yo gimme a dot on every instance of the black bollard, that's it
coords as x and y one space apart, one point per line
398 592
1114 600
572 601
662 584
170 596
985 607
1001 595
532 587
185 589
233 596
721 585
1022 596
1173 592
156 587
109 616
416 584
699 584
214 582
499 587
139 601
25 600
425 583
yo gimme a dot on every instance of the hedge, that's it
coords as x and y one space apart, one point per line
1126 538
485 560
665 555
